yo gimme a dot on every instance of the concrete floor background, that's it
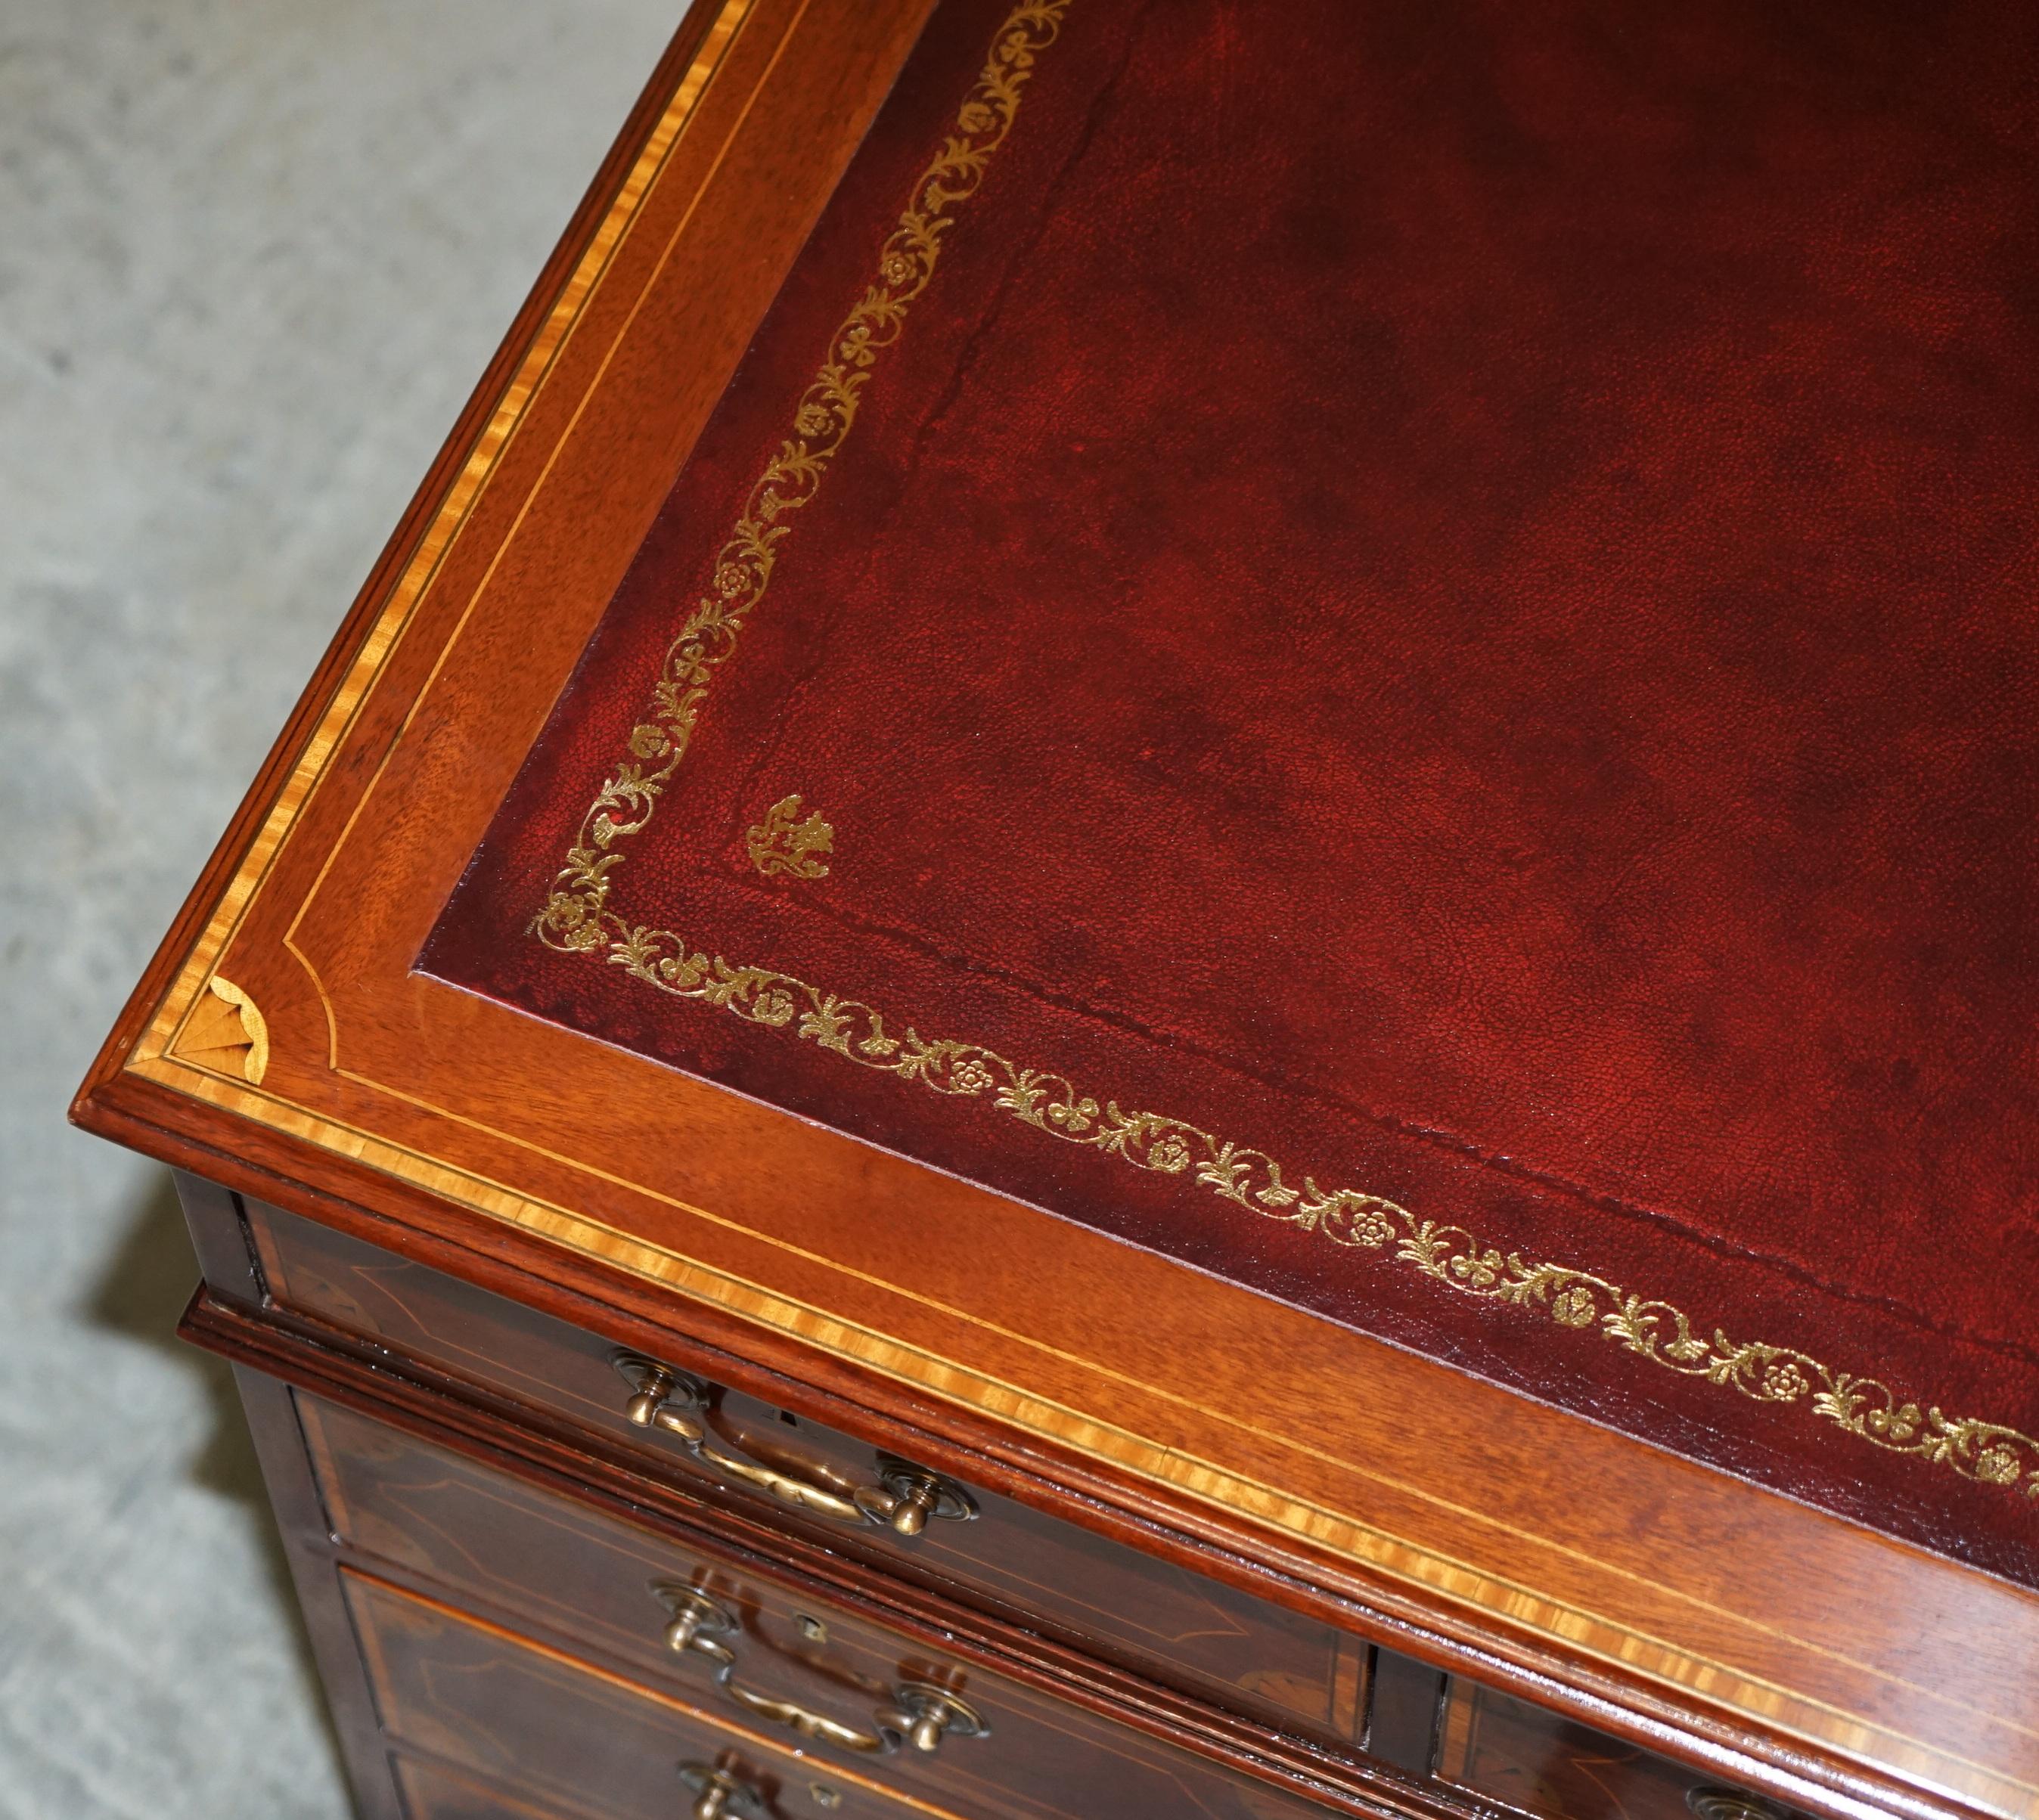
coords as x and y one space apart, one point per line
252 254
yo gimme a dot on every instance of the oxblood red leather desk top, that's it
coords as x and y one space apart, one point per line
1411 661
1378 659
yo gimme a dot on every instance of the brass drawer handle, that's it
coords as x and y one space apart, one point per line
801 1494
905 1498
928 1714
920 1714
661 1398
721 1795
908 1496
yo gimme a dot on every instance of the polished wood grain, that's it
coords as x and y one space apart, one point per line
1731 1763
479 1695
220 1237
1686 1611
1506 1751
287 1470
557 1570
433 1793
1156 1618
665 1516
432 1516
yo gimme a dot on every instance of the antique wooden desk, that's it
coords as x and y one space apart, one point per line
1163 944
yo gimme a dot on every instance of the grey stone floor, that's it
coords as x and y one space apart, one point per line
252 252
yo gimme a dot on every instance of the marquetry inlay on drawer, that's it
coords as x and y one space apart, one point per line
1152 1617
572 1740
578 1735
433 1792
1505 1751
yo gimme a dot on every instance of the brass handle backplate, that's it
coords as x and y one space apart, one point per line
927 1714
664 1398
920 1714
1730 1804
908 1497
905 1499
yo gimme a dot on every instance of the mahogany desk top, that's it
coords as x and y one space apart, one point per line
1281 758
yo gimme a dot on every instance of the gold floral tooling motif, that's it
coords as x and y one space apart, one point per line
783 844
578 919
1449 1255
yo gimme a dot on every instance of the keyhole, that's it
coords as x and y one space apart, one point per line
812 1628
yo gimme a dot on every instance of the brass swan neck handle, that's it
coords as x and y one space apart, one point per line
905 1498
920 1714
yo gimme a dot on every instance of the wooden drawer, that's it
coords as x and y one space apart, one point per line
783 1659
1157 1620
430 1792
567 1736
1503 1751
565 1732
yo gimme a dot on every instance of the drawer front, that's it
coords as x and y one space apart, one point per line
567 1736
771 1655
1504 1750
432 1793
563 1731
1166 1623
